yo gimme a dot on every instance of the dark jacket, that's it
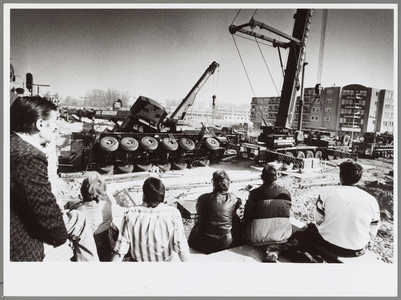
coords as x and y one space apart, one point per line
214 228
35 217
267 215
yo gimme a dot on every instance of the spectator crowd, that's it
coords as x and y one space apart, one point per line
345 217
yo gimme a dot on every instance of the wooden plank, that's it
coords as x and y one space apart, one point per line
322 183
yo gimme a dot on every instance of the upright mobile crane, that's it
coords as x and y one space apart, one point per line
280 141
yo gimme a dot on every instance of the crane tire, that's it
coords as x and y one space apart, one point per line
301 154
309 154
143 167
125 169
105 169
212 143
149 143
345 139
108 144
129 144
204 162
187 144
178 166
318 154
166 167
170 144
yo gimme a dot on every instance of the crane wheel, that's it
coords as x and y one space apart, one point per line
178 166
105 169
186 144
301 155
318 154
129 144
166 167
309 154
125 169
149 143
170 144
108 143
212 143
204 162
345 139
143 167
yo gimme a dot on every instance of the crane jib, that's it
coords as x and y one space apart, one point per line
296 57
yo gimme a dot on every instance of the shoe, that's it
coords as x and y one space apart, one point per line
270 257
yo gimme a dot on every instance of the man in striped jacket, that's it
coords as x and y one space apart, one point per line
152 231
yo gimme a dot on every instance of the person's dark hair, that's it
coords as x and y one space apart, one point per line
93 188
12 73
25 111
350 172
221 181
269 174
153 191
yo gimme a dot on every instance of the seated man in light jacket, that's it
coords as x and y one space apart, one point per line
267 216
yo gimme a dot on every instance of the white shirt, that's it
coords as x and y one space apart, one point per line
346 214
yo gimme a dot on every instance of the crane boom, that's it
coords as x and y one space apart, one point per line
181 110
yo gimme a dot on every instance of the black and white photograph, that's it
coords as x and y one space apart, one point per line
200 150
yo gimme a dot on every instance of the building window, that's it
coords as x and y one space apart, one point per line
329 100
329 92
327 119
328 109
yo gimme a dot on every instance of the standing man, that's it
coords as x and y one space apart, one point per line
35 217
153 230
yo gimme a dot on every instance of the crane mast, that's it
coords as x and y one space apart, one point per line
296 57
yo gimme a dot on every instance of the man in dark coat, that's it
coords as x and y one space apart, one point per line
35 217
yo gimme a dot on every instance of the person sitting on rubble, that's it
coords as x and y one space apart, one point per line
153 231
96 205
346 218
219 214
267 216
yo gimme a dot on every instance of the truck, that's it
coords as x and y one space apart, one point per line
146 136
280 141
374 145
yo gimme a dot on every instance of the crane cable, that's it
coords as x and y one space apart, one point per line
321 52
267 66
322 41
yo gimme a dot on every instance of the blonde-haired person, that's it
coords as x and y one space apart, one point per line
96 205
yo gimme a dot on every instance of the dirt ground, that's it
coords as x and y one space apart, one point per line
377 179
